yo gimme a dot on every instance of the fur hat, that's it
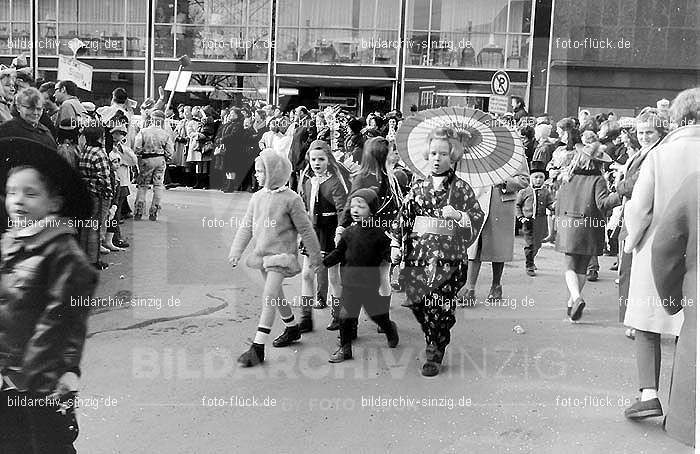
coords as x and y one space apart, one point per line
369 195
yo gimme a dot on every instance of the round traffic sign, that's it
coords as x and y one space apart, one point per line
500 83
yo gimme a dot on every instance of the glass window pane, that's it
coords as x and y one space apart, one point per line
5 48
21 30
21 10
102 40
137 12
259 12
165 10
259 43
286 44
520 12
386 55
490 50
163 39
322 13
67 10
66 32
101 11
326 45
365 14
418 14
288 13
136 40
4 10
47 10
47 43
518 51
417 48
386 16
471 17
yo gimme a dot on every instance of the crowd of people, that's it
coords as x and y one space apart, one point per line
368 226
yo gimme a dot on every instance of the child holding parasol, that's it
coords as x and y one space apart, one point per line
439 219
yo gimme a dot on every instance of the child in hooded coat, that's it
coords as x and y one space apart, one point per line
273 220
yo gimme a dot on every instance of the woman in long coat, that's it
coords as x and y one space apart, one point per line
237 158
439 219
496 239
675 265
673 160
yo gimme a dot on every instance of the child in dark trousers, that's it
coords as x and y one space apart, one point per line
46 281
531 207
363 252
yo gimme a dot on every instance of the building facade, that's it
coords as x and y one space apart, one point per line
363 54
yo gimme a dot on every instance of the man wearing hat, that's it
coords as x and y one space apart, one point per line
531 207
154 148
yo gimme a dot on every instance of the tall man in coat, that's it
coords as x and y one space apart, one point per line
304 133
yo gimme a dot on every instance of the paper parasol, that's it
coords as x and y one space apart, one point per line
492 151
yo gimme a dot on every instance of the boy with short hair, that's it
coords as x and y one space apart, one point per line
531 207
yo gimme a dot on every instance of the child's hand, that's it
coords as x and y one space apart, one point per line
66 384
448 212
338 233
233 260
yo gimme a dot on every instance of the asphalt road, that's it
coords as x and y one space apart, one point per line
160 372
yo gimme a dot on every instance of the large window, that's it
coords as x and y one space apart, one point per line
15 27
213 29
455 33
351 31
109 28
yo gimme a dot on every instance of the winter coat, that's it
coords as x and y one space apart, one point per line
674 266
272 222
497 237
660 177
237 154
45 276
580 210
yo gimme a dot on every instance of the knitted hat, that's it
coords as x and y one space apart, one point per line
537 166
369 195
319 144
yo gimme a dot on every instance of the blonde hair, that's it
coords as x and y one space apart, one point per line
450 136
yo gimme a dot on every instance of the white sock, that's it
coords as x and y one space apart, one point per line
648 394
289 322
261 335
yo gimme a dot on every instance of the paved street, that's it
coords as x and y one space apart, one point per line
160 372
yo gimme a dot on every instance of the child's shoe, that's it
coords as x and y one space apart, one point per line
392 337
253 356
290 335
496 293
433 361
531 272
344 352
306 325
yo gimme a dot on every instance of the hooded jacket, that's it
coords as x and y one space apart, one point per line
274 218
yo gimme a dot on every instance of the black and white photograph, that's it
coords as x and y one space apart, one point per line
349 226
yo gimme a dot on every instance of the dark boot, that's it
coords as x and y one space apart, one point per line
306 325
254 356
205 181
320 302
334 325
197 181
290 335
392 336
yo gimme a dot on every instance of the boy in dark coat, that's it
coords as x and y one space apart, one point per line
363 248
531 205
